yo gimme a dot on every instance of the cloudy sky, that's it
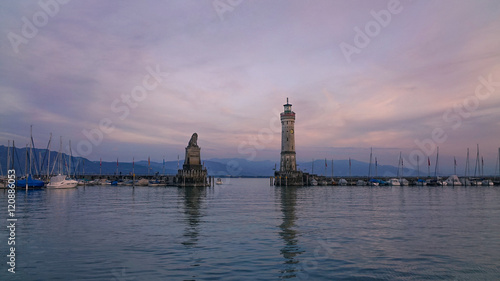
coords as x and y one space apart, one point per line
396 76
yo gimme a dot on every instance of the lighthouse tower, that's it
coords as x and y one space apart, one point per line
288 162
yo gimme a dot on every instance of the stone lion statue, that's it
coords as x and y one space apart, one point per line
194 140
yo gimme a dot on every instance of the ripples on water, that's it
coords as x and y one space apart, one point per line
248 230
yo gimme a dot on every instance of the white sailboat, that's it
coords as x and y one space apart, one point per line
453 180
394 182
371 182
61 181
342 182
439 182
402 181
487 183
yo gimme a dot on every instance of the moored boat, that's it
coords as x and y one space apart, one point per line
453 180
394 182
143 182
155 183
30 183
342 182
421 182
61 181
361 183
487 183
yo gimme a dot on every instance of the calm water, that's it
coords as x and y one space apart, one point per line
247 230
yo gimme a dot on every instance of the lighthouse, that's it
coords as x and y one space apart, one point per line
288 175
288 162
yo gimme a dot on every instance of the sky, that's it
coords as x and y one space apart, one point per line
133 79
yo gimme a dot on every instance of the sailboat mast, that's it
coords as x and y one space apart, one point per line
399 166
428 167
26 167
8 155
39 172
26 163
59 155
31 147
70 158
349 167
482 167
454 165
402 165
13 154
477 161
437 164
48 161
467 164
370 166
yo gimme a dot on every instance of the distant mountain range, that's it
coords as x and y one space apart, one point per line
235 167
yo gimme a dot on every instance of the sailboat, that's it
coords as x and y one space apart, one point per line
61 181
436 171
487 183
477 170
419 182
371 182
402 180
453 179
465 181
29 181
395 181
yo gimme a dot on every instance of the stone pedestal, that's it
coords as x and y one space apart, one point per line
289 178
192 160
192 173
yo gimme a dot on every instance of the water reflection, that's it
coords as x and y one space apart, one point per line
291 249
193 198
